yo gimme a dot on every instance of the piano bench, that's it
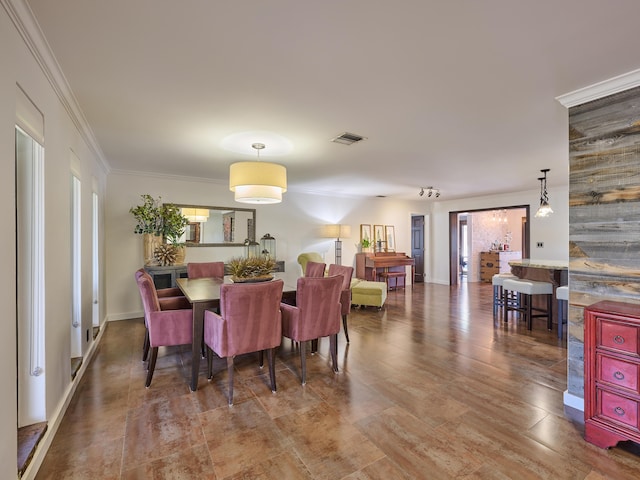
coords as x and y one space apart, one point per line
396 276
368 294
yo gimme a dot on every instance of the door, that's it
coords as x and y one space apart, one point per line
417 246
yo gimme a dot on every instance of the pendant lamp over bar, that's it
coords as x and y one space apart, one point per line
257 182
545 209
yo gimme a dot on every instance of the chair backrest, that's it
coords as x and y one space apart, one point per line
147 292
318 299
345 272
205 269
314 269
251 312
305 257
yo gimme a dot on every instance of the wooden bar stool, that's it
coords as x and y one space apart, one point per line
526 289
562 295
498 292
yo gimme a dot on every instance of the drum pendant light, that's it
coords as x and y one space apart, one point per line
257 182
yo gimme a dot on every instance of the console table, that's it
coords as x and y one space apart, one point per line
166 276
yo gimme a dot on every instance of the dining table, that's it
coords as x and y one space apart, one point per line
204 294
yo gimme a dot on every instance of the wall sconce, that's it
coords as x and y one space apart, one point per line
545 209
337 231
430 191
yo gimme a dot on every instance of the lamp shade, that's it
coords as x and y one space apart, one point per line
336 231
196 215
257 182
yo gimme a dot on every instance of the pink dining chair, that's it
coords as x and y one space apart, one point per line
165 327
314 269
168 299
316 314
345 296
249 321
205 269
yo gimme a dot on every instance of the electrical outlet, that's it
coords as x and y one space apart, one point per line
540 245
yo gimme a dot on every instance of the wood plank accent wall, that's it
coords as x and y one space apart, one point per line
604 213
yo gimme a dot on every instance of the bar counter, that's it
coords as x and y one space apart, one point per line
554 271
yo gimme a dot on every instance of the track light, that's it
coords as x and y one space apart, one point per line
430 192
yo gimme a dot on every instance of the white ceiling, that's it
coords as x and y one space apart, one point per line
459 95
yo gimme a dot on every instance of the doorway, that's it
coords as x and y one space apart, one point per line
484 229
417 247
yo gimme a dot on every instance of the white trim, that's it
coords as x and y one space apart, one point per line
53 423
23 19
601 89
124 316
573 401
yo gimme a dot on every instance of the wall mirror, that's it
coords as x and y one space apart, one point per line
218 226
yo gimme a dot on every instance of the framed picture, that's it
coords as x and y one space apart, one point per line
378 237
365 233
390 236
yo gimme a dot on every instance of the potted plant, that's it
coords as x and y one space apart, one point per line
251 269
366 244
157 222
173 227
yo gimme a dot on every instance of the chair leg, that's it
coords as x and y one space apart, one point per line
230 373
152 366
529 310
344 325
314 346
549 313
209 363
271 358
303 362
333 346
145 345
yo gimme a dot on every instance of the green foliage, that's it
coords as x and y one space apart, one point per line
251 267
159 219
366 243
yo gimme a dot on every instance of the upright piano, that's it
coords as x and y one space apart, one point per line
369 265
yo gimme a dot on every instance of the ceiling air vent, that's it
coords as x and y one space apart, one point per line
347 138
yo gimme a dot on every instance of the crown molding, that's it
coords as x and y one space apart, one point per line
602 89
22 17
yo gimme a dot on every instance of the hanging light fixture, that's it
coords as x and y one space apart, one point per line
257 182
196 215
545 209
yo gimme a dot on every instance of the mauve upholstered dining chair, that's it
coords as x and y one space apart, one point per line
316 314
315 269
168 299
165 327
249 321
205 269
345 295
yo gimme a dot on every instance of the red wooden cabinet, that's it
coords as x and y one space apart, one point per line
612 373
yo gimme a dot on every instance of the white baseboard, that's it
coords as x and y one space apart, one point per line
573 401
124 316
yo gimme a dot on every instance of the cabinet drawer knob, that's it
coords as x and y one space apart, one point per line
489 264
618 375
619 411
618 339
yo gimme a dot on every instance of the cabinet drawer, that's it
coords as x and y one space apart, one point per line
618 336
618 408
618 372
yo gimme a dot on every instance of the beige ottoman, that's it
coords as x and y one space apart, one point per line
368 294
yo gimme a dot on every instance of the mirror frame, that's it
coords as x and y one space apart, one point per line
226 244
